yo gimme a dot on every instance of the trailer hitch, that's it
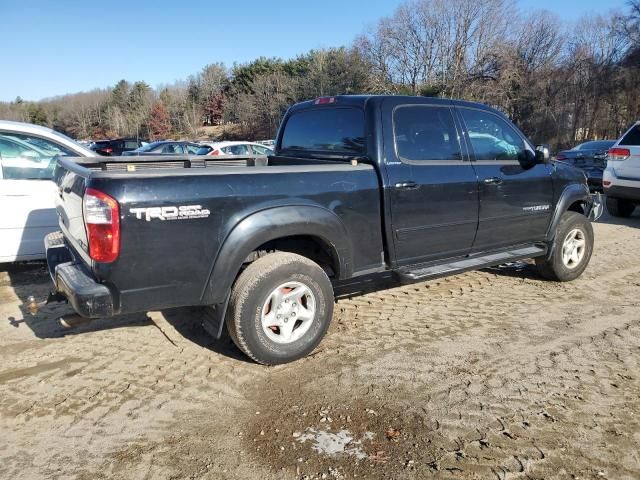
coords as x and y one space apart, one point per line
34 306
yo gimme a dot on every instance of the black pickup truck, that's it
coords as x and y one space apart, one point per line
358 187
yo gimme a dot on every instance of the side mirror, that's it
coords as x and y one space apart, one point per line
542 153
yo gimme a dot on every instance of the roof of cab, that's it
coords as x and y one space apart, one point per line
362 100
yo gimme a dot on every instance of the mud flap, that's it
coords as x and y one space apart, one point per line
596 207
213 318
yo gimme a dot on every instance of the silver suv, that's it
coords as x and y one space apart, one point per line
621 178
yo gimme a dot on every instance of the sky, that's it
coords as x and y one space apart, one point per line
56 47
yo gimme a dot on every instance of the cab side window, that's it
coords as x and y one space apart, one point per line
424 133
491 137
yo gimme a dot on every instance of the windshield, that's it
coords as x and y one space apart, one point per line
331 130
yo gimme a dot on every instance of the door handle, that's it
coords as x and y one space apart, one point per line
406 185
493 181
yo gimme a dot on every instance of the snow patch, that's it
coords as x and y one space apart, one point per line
332 444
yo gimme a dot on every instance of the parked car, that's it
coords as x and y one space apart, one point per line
359 187
590 157
167 148
621 178
236 148
28 156
115 147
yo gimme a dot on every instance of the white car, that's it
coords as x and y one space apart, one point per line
621 178
27 158
237 148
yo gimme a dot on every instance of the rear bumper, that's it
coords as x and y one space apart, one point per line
72 279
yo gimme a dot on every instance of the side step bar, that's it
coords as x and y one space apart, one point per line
473 263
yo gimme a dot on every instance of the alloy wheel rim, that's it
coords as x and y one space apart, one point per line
288 312
574 248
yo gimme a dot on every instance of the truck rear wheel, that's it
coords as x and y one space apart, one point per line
619 207
280 308
571 250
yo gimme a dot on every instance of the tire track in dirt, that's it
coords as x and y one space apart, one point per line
491 374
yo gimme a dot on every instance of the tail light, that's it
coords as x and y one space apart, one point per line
214 152
561 157
107 150
618 154
102 218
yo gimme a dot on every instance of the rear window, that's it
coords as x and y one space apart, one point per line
325 129
632 137
595 145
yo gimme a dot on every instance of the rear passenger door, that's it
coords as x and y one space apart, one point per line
516 194
432 192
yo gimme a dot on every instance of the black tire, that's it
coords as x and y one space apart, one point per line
554 268
255 286
619 207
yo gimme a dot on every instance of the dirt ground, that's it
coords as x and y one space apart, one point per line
491 374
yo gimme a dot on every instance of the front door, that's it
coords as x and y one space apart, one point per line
516 194
432 190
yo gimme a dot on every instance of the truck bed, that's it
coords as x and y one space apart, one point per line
174 257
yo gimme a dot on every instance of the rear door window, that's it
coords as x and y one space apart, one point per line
241 149
172 148
424 133
632 137
204 150
339 130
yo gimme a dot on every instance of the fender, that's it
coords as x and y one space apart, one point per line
271 224
574 192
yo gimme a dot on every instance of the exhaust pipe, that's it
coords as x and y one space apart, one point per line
73 320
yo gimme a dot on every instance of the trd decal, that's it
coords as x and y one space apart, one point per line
174 212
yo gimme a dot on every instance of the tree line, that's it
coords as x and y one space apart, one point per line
561 82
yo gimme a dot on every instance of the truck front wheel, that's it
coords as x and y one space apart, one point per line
280 308
571 249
